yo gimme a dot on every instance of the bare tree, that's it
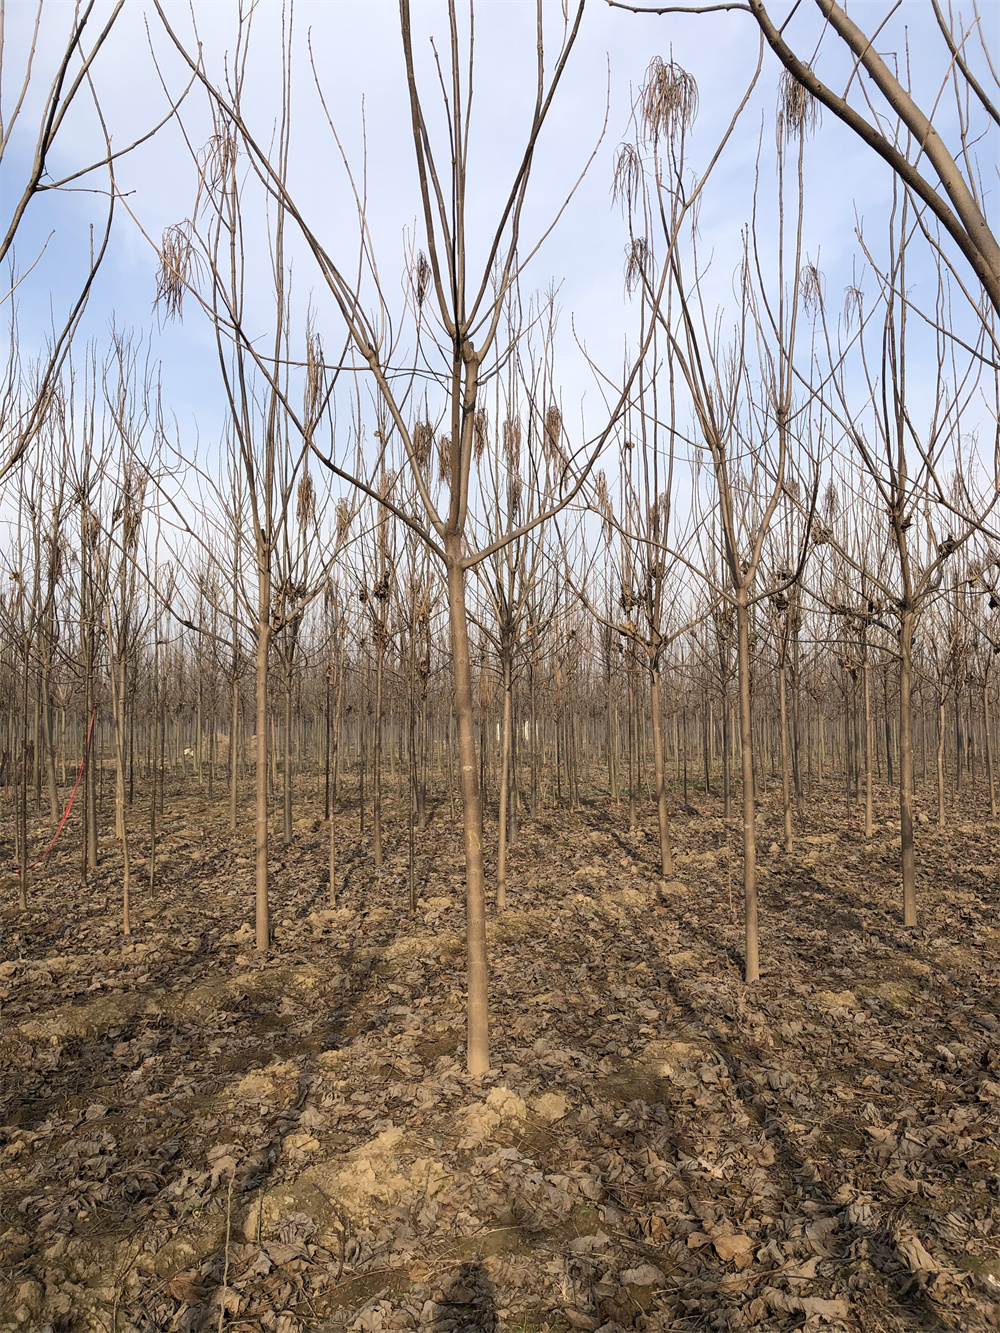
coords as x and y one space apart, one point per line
748 425
53 92
910 464
459 320
878 104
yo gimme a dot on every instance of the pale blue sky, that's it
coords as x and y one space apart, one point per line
357 52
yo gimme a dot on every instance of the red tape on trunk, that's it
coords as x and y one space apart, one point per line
69 803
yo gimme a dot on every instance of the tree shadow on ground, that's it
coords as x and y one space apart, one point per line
469 1301
876 1237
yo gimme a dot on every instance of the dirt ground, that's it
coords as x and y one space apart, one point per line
197 1139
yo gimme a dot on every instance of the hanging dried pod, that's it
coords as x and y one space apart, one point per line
512 442
812 289
422 440
314 376
553 433
480 433
669 100
305 500
444 457
798 111
176 268
627 179
421 277
636 262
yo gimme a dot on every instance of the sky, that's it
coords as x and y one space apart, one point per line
355 51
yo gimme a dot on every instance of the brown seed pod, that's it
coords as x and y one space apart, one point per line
314 375
669 100
553 432
422 277
636 262
480 433
422 438
812 289
512 442
176 268
305 500
627 178
444 457
798 111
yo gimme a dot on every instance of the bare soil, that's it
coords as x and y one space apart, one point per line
195 1138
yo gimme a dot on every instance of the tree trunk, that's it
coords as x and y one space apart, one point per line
478 1046
451 767
263 925
751 966
940 762
286 762
90 779
960 746
155 774
118 714
633 820
906 851
504 789
572 772
363 770
334 741
213 745
198 733
786 795
422 771
326 752
412 784
47 743
796 736
612 735
666 856
234 734
706 742
377 756
988 737
727 776
533 706
869 746
22 797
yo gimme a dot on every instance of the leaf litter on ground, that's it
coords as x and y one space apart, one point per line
196 1138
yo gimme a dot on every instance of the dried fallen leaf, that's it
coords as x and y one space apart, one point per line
916 1256
729 1247
646 1275
807 1305
185 1286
